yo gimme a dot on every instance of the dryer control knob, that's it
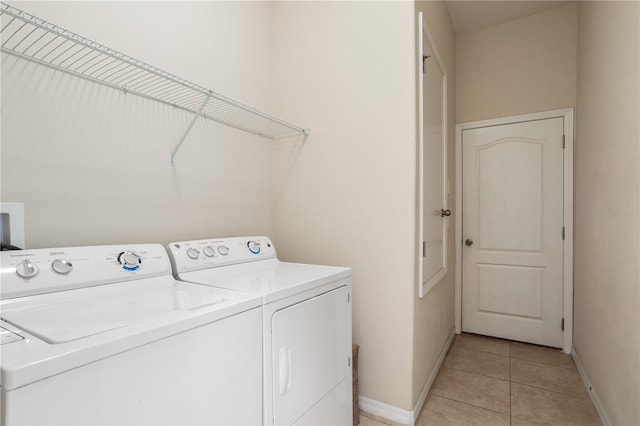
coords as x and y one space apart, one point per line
223 250
208 251
61 266
193 253
27 269
254 247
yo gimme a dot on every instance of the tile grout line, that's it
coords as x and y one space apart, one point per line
528 421
476 374
544 363
472 405
482 352
479 350
555 391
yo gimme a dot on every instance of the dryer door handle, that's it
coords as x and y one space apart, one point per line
285 369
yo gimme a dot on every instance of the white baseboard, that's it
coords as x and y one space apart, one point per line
597 403
386 411
434 372
399 415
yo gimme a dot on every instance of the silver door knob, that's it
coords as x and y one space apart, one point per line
444 212
469 242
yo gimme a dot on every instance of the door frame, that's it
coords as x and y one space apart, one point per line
430 47
567 286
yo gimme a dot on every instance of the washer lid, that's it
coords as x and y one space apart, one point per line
70 318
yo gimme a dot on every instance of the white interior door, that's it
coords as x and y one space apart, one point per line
433 171
512 227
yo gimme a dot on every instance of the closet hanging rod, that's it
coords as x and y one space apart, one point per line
32 38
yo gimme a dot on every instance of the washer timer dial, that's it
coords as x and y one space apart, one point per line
129 261
254 247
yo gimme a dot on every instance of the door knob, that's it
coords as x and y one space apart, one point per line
469 242
444 212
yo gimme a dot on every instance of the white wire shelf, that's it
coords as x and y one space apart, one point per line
29 37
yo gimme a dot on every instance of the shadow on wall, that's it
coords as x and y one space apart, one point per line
83 156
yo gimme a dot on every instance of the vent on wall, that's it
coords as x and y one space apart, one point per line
12 226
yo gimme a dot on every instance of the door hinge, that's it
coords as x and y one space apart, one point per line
563 141
563 233
348 297
349 361
424 249
424 66
562 325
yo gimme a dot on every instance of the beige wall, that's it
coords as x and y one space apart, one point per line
522 66
91 163
346 195
433 314
607 184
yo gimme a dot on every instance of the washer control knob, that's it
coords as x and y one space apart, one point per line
193 253
129 261
223 250
27 269
254 247
61 266
208 251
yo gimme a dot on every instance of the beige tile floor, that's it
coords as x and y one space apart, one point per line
487 381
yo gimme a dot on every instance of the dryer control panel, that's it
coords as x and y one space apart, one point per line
37 271
211 253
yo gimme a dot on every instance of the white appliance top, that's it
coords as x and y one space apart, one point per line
77 318
60 318
249 265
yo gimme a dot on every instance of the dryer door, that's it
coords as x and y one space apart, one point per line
310 354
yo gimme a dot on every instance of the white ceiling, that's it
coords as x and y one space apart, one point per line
469 15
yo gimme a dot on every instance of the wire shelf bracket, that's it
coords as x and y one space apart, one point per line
26 36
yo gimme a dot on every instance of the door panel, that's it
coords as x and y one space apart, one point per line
512 220
310 353
510 167
524 296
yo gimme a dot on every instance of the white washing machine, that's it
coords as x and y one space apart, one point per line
306 322
106 335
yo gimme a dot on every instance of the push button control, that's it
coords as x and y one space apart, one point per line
193 253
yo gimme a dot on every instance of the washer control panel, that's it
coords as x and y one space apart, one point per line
28 272
201 254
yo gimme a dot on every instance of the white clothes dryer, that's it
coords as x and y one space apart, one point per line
306 323
106 335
